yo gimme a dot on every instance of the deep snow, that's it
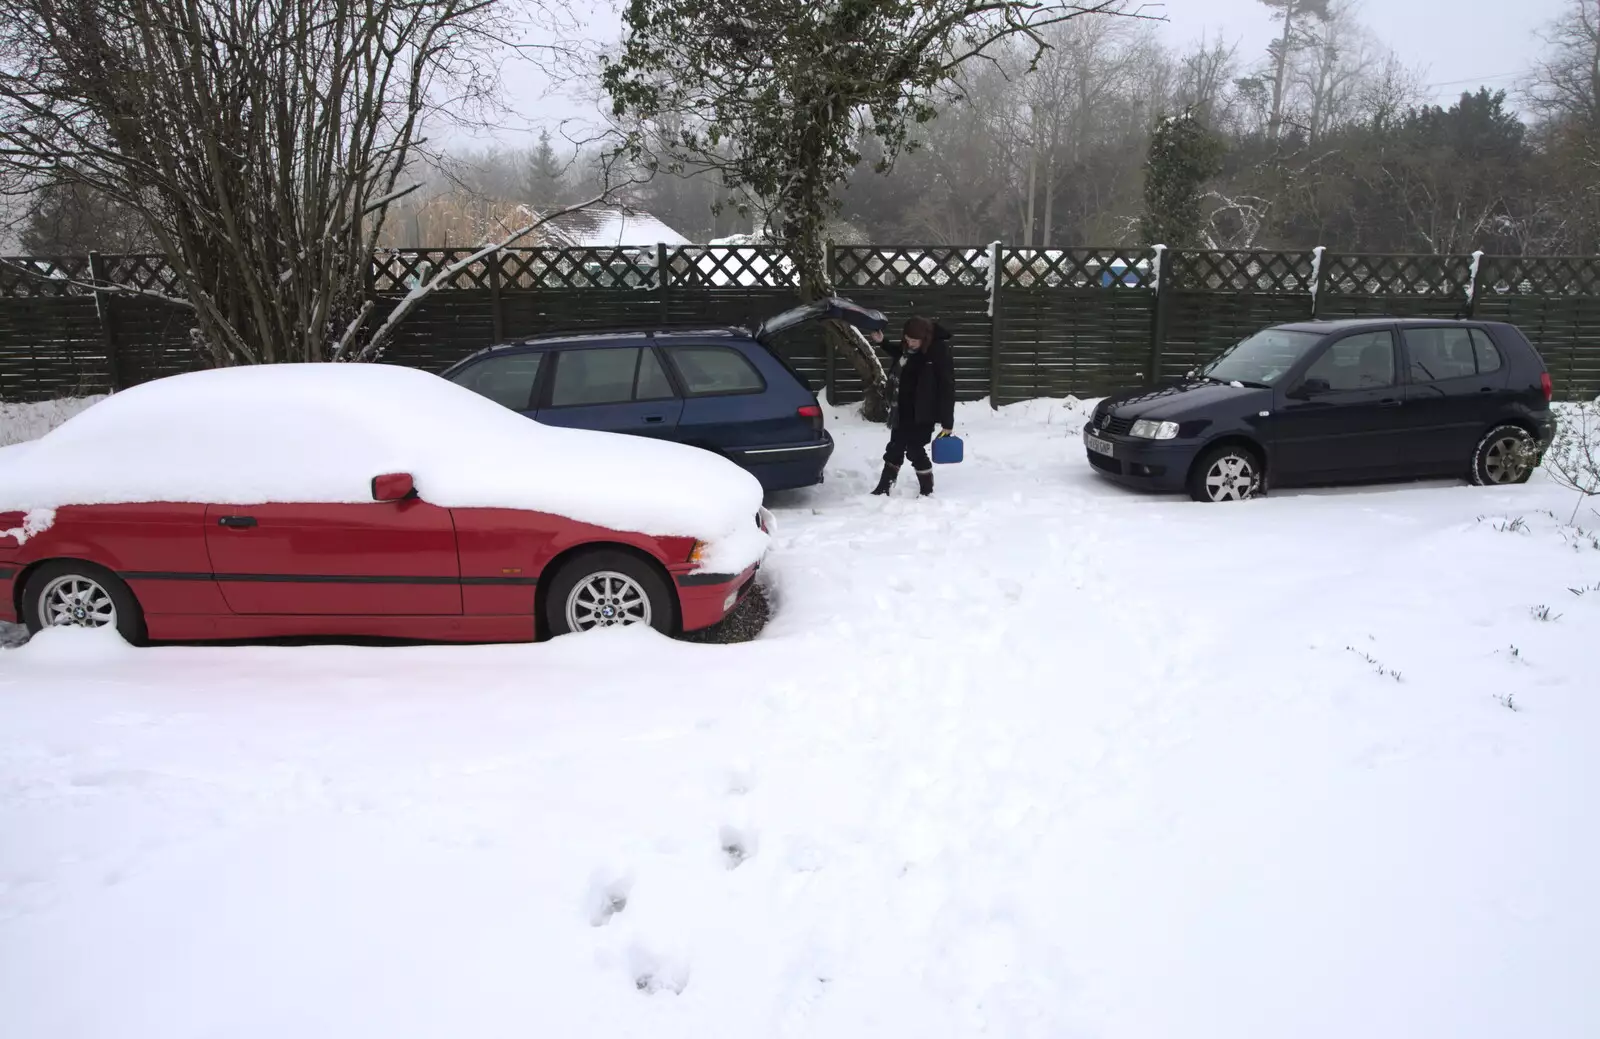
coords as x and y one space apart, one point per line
1034 758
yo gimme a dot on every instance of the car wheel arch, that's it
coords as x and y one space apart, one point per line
136 634
541 599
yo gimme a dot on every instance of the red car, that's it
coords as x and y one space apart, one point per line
362 500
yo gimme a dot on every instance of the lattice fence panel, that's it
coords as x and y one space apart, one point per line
1077 268
866 266
1243 271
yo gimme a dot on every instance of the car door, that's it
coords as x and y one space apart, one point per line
1345 415
726 404
618 389
505 378
1457 385
366 559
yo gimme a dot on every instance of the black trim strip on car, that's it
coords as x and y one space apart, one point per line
783 450
690 580
163 575
5 573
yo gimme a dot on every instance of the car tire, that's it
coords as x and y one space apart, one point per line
1228 472
1507 455
587 586
89 590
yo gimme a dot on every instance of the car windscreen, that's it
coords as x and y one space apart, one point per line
1263 359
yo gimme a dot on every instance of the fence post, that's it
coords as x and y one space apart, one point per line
661 280
108 327
1473 284
1160 305
828 373
1317 278
498 315
995 279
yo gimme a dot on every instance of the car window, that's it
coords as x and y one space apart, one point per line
1440 353
652 383
506 380
715 369
1364 361
1487 353
599 376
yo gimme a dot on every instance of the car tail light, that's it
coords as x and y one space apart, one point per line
814 413
1545 385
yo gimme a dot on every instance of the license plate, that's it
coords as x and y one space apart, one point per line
1098 446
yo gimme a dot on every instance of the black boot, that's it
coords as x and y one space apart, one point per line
886 481
925 482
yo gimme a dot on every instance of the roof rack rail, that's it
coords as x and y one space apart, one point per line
625 330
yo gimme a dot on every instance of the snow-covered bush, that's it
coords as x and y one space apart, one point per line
1573 460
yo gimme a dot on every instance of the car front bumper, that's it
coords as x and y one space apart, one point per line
1153 465
705 599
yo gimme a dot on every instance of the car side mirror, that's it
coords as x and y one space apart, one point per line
393 487
1311 388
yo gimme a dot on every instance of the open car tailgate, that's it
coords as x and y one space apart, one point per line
835 308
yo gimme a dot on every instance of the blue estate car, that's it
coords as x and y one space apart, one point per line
721 389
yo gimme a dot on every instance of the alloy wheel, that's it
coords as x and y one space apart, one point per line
75 601
1231 478
1506 460
607 599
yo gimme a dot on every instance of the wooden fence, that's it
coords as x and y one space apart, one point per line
1027 322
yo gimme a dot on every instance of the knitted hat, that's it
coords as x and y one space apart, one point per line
919 328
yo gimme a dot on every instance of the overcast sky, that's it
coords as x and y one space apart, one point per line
1460 44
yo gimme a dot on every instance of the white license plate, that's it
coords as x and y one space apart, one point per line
1098 446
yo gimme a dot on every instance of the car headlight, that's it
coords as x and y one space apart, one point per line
1151 430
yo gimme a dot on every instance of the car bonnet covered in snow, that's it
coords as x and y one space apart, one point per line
321 432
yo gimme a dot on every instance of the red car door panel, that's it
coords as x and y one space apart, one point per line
158 548
382 558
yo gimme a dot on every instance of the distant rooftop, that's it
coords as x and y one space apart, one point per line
602 227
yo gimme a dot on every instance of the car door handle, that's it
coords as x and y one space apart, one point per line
1390 402
236 521
655 418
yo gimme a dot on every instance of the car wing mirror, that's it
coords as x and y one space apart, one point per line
393 487
1311 388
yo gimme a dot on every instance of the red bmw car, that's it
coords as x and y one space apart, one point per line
362 500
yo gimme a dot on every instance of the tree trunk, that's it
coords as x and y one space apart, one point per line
1275 123
816 282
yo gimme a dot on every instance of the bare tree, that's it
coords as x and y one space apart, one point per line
263 142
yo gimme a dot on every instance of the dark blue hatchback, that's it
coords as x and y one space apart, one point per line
723 390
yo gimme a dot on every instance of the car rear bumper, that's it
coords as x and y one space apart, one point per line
705 599
1152 465
782 467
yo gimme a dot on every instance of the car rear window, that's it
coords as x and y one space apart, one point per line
1485 351
1438 354
712 370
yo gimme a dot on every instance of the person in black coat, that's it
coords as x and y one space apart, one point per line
922 394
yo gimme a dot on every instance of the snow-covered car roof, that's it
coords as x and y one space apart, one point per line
321 432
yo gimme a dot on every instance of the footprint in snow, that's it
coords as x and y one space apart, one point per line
608 896
653 972
738 844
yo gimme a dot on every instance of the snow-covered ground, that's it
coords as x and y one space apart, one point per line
1035 758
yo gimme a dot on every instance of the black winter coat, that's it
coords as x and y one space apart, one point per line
922 383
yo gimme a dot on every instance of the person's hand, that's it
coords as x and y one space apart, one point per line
947 431
875 336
